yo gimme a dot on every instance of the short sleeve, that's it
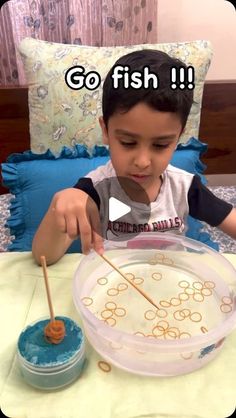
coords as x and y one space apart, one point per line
204 205
86 185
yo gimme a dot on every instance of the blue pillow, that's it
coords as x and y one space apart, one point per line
35 178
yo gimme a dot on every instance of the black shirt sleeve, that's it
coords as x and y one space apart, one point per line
86 184
205 206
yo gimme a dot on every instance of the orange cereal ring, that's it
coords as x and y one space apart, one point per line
175 302
177 316
110 321
138 280
130 276
106 314
104 366
204 329
170 334
206 291
227 300
183 296
55 331
196 317
163 324
197 285
156 276
87 301
184 284
111 306
150 315
120 312
225 308
209 284
176 330
122 286
102 281
162 313
185 312
198 297
158 331
165 303
113 292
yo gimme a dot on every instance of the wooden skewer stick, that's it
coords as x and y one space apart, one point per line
128 280
45 274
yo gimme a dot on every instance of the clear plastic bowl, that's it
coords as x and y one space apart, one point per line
65 364
193 286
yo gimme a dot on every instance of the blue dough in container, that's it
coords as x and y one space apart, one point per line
50 366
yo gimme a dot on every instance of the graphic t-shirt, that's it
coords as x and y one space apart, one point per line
181 194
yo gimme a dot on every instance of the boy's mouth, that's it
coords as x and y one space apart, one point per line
139 178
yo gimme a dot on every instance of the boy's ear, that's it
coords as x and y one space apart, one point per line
104 131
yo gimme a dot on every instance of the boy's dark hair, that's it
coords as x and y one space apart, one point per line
163 98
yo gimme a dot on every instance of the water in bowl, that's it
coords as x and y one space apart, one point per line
192 298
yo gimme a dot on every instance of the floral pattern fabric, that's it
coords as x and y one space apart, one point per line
90 22
5 236
61 116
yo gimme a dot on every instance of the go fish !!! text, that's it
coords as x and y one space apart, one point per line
181 78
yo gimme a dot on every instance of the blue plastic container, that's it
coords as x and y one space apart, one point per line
49 366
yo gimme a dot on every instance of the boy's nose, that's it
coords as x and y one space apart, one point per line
142 161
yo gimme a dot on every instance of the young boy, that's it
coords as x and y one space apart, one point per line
142 127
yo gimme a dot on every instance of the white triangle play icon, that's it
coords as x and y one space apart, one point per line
117 209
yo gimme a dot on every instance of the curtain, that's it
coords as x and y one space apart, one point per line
82 22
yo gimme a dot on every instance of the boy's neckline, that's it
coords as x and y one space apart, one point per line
143 204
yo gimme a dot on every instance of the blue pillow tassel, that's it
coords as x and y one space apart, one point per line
194 230
78 151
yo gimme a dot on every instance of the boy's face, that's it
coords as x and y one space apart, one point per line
141 143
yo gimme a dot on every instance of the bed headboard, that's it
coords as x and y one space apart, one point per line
217 128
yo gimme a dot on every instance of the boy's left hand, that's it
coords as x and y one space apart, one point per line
229 224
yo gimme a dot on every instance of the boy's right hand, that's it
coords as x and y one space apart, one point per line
77 214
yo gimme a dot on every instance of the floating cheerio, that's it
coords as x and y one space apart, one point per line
50 366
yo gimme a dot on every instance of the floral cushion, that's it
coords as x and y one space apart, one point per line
61 116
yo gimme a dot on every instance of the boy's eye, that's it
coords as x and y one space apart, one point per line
161 145
127 144
130 144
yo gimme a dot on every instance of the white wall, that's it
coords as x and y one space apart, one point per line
214 20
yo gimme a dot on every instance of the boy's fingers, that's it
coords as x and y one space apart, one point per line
97 238
98 243
72 227
61 221
85 233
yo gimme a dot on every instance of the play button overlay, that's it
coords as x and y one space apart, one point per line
117 209
124 207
